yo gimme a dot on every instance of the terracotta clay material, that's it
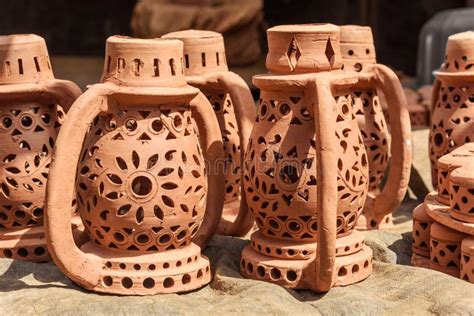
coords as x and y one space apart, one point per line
32 109
131 152
450 214
452 121
205 67
358 54
306 169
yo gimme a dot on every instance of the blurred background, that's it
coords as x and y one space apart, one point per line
409 35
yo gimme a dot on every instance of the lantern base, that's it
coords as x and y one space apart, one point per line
29 244
366 222
291 263
130 273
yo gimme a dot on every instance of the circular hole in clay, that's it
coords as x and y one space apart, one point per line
20 214
350 52
358 67
275 274
122 266
127 282
367 51
131 125
261 271
289 174
216 106
366 264
143 239
108 264
438 139
267 250
46 118
199 274
347 248
291 252
355 268
141 186
7 122
345 109
38 212
190 260
442 253
137 266
7 253
249 267
119 237
291 275
263 109
178 263
464 199
229 189
342 271
456 98
273 224
284 109
186 279
148 283
178 122
168 282
294 226
107 281
305 252
26 121
151 267
39 251
157 125
22 252
166 265
165 238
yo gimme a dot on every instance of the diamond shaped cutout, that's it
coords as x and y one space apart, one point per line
293 54
329 52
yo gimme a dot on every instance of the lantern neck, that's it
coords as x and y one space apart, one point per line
24 59
204 51
143 62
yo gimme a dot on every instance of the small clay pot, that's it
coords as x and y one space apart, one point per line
130 151
32 109
205 67
384 155
452 121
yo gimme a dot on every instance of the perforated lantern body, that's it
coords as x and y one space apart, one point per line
31 113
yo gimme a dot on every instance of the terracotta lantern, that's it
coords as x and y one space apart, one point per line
452 121
145 181
205 67
306 169
32 110
358 54
443 226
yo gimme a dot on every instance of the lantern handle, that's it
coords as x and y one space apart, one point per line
65 91
213 151
396 186
244 106
326 156
83 269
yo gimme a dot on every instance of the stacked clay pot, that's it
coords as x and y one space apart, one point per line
306 168
443 226
32 109
205 67
452 120
139 151
385 156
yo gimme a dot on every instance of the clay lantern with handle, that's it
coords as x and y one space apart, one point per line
452 110
306 168
32 108
205 67
387 154
146 185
